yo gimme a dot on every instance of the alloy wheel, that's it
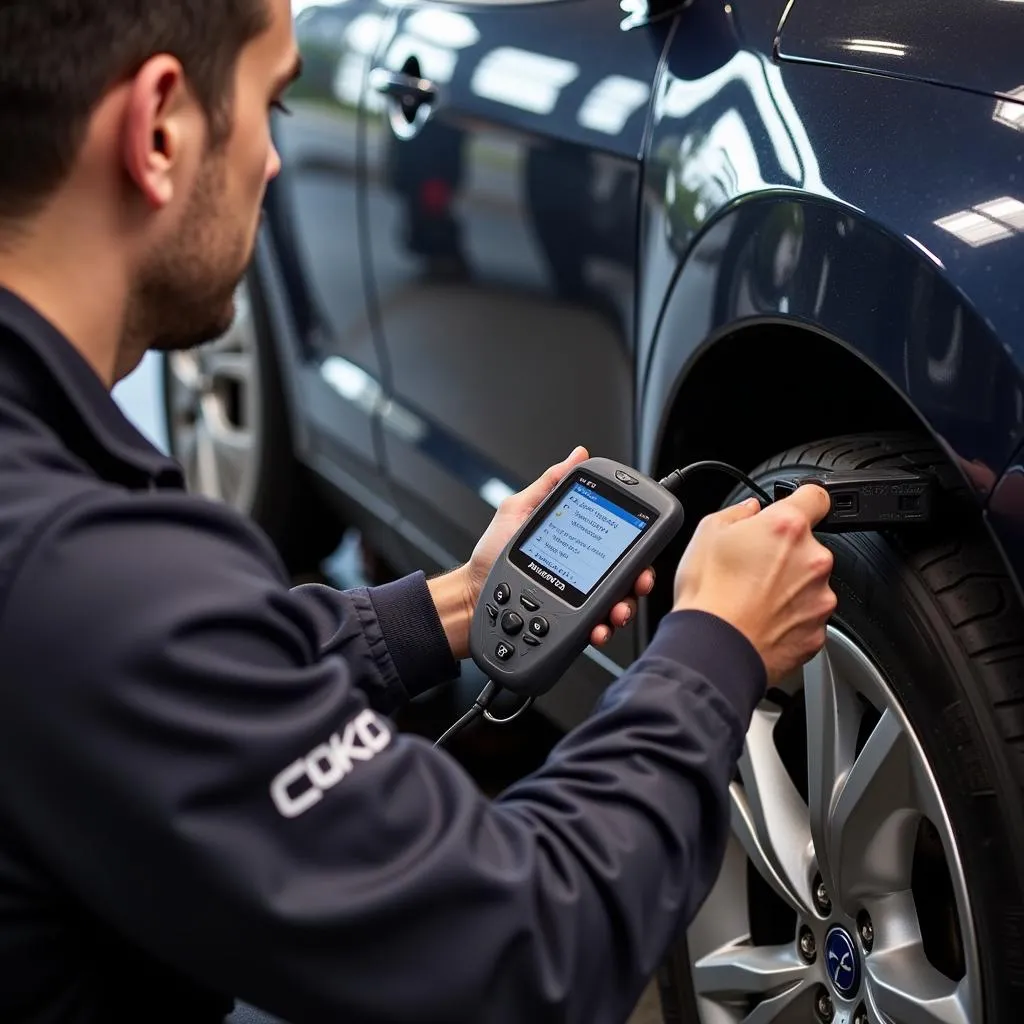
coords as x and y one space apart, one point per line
213 410
842 896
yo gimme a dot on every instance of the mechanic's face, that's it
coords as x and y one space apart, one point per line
185 291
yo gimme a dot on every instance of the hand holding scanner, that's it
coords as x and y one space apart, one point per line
567 566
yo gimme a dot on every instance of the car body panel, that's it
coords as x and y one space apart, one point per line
624 192
784 192
929 40
503 251
312 211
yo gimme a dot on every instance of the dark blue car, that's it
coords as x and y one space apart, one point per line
780 234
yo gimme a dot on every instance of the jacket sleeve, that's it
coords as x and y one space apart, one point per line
195 773
399 625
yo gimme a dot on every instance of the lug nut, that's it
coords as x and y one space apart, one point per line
866 930
821 900
808 947
824 1008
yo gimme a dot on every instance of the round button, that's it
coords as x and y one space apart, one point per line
502 593
539 625
504 651
511 623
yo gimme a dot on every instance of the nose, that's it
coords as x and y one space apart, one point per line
273 163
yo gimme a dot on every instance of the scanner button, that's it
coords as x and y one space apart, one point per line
492 613
531 640
502 593
529 605
511 623
539 625
625 477
504 651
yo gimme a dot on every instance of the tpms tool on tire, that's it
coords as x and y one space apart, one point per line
583 548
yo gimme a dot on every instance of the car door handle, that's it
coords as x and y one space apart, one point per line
414 97
409 90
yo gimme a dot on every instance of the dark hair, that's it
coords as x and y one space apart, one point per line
59 58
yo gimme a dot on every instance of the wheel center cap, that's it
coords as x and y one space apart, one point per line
842 962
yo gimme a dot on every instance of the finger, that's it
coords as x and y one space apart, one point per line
601 635
530 497
812 501
622 614
644 583
736 513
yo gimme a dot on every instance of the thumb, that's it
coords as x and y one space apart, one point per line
530 497
738 512
812 501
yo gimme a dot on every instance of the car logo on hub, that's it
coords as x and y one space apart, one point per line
841 962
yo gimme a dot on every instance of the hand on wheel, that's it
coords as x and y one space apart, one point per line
766 574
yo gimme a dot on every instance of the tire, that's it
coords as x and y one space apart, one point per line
932 617
228 396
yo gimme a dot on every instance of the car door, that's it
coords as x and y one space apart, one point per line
503 180
312 207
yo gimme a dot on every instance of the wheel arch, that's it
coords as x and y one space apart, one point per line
840 327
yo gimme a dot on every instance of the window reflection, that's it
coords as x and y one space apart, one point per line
611 103
986 222
887 49
520 78
1009 112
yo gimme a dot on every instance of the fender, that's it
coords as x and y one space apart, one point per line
791 193
804 261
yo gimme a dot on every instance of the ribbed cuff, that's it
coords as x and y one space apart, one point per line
719 652
413 633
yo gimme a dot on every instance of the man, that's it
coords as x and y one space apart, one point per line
160 678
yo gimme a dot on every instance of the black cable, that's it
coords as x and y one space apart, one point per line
485 698
526 705
675 478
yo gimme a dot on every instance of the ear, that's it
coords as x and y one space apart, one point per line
159 126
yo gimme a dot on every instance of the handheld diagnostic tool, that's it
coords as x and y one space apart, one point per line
565 569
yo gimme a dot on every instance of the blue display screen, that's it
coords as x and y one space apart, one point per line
583 536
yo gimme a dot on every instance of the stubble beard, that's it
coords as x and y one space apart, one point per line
184 296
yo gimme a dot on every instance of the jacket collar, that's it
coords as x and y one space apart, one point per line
94 407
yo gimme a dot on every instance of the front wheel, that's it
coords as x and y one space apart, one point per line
875 869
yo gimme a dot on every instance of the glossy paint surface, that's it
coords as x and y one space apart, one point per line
503 247
971 44
540 252
809 195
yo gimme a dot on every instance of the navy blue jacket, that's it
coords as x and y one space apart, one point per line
203 797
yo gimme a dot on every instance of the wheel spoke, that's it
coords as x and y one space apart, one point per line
904 988
207 473
235 366
738 971
833 718
223 432
874 821
769 816
781 1007
229 449
746 831
184 368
